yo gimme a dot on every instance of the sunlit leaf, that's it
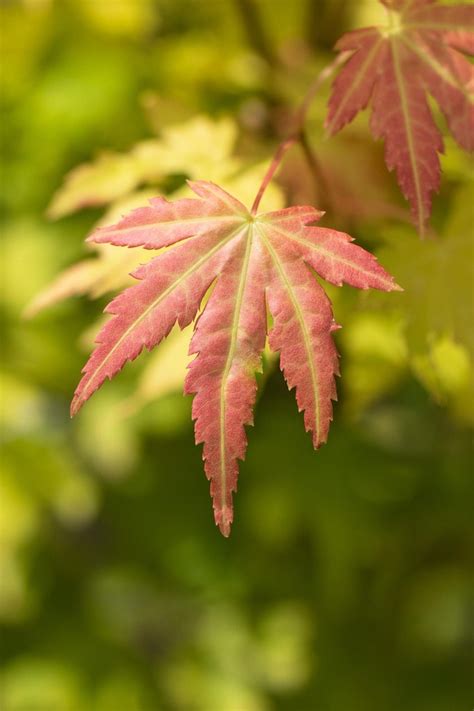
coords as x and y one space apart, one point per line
447 372
197 147
437 276
165 371
123 18
108 178
256 259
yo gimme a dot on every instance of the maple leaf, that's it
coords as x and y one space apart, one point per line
109 270
198 146
437 275
394 68
250 261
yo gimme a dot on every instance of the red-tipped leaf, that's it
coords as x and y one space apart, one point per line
250 263
394 68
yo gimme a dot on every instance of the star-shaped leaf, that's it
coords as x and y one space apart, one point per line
394 68
250 262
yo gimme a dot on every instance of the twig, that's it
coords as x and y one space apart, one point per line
296 134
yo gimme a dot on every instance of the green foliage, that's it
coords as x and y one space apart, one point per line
351 589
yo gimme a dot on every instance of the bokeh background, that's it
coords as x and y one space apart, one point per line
345 585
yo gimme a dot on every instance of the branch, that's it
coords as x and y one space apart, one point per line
296 134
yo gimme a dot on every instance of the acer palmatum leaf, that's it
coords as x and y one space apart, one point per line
255 261
394 68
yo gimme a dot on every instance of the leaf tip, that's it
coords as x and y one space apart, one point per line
224 528
328 131
76 405
94 236
197 186
318 440
223 518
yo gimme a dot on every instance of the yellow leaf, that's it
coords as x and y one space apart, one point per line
109 177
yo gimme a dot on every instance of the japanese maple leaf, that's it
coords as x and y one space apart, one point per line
251 261
394 68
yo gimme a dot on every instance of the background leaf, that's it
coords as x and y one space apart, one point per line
350 591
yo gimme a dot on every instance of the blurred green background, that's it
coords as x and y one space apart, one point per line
345 585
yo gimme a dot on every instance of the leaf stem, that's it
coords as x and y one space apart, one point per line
276 160
297 133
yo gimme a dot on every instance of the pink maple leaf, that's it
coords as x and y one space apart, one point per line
251 262
394 68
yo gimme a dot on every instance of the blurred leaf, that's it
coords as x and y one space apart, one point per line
446 371
200 147
194 688
19 515
227 679
35 684
16 595
376 358
123 18
110 271
456 164
76 280
109 177
52 478
436 611
26 30
187 63
284 656
27 242
437 275
164 371
22 408
122 691
107 438
369 14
